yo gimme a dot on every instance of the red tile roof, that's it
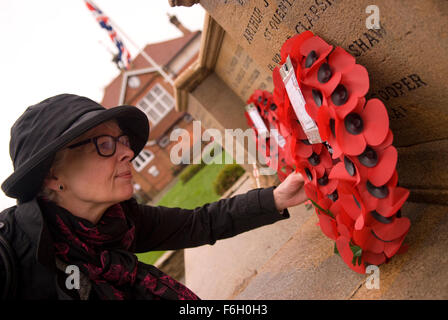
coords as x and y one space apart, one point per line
162 53
112 92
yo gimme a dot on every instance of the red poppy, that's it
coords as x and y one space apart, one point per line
314 100
386 199
362 126
327 185
286 150
326 123
344 249
377 165
312 53
279 94
354 82
301 149
327 223
294 44
374 258
346 170
345 223
308 172
310 189
353 205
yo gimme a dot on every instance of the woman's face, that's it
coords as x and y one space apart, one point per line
90 178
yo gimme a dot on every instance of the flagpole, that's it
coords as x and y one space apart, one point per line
144 54
159 68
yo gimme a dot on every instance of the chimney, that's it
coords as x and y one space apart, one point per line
178 24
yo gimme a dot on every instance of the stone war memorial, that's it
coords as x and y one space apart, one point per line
403 46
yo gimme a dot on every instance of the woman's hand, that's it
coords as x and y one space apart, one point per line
290 192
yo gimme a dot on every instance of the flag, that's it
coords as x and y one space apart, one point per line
123 58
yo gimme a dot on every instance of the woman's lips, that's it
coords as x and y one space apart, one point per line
125 175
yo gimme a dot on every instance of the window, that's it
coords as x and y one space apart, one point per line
143 158
164 141
156 104
153 171
188 118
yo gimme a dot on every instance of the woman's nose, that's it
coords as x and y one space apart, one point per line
124 152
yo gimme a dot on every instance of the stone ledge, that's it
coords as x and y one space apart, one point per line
306 267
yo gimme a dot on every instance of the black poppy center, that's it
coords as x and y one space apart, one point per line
378 192
314 159
305 141
380 218
310 58
353 123
323 181
317 96
349 166
332 127
324 74
357 202
308 174
339 95
368 158
334 196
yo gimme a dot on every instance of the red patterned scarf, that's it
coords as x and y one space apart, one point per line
102 253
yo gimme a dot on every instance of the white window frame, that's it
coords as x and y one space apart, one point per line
142 159
152 171
157 98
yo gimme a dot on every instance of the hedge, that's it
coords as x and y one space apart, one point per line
227 177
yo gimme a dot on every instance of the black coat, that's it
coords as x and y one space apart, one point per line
157 228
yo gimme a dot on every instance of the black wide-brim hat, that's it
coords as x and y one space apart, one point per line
47 127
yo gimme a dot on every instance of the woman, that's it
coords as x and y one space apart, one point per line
73 184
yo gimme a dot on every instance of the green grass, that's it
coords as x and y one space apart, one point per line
149 257
194 193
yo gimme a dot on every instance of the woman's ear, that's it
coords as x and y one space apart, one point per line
51 181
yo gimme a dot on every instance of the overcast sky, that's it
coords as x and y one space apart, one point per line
50 47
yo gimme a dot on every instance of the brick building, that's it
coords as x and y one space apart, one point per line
143 85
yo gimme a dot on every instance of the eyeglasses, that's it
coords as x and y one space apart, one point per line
105 144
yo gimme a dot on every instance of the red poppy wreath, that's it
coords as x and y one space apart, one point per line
274 147
351 176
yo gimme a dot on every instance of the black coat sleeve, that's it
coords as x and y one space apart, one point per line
163 228
2 277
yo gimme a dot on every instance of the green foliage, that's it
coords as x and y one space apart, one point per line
197 191
227 177
321 210
357 254
190 171
149 257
